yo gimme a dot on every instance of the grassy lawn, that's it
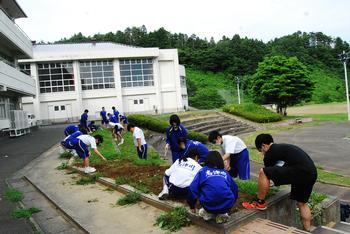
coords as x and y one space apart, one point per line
335 117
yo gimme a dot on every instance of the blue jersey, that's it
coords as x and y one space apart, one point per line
103 114
116 113
125 119
113 119
215 189
172 135
70 129
202 149
83 119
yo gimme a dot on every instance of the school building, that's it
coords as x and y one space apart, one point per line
71 77
14 45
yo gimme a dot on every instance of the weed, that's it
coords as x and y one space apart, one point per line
24 212
250 187
66 155
91 179
129 198
13 195
137 185
63 166
108 190
174 220
121 180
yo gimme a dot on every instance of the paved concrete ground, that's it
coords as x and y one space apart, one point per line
91 205
327 144
14 154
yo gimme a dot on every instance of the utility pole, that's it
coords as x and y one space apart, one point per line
344 58
238 93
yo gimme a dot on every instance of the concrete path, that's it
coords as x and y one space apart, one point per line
14 154
91 205
327 144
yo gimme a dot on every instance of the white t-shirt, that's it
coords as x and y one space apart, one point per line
138 134
88 140
116 124
182 174
232 145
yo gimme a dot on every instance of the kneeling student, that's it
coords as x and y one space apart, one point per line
81 143
70 129
139 140
92 127
117 132
186 145
214 188
180 175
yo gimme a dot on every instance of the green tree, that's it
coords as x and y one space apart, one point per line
282 81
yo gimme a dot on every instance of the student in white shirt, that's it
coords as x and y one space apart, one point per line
180 175
117 130
235 154
139 141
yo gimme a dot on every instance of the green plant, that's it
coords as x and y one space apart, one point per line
63 166
174 220
158 125
24 212
129 198
121 180
91 179
253 112
251 188
66 155
13 195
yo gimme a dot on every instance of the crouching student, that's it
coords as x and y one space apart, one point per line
214 188
92 127
81 144
180 175
70 129
186 145
117 130
139 141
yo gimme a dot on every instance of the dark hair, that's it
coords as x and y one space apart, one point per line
113 107
181 140
108 114
192 153
103 107
130 126
263 139
213 135
99 138
174 119
86 110
214 160
82 129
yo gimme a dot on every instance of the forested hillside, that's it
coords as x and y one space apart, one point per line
213 65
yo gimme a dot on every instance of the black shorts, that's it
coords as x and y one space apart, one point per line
301 182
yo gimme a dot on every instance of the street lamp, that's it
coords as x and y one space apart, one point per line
344 58
238 93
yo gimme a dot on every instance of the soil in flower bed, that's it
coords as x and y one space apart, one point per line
150 177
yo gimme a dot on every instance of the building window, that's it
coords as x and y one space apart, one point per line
6 105
57 108
96 75
184 96
136 102
25 68
183 81
56 77
63 108
136 72
7 59
141 101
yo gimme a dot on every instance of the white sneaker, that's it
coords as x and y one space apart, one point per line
164 194
205 215
121 141
89 170
222 218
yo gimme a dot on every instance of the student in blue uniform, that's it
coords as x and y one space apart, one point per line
186 145
103 115
84 120
81 144
112 118
214 188
123 119
116 113
70 129
92 127
180 175
139 141
235 154
174 132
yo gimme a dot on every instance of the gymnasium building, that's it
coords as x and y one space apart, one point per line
72 77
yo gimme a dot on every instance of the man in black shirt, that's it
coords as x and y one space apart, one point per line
285 164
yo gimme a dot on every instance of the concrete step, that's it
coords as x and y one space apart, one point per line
200 123
223 124
343 226
200 119
238 132
224 129
329 230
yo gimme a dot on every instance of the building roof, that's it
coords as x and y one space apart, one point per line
12 9
84 46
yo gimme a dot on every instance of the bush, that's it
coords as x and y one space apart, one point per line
174 220
158 125
63 166
253 112
207 99
129 198
13 195
24 212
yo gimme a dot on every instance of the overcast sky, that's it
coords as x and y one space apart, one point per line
51 20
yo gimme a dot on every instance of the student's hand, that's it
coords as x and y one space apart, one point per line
167 147
193 210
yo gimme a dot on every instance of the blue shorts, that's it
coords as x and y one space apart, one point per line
176 155
175 191
143 153
79 146
240 165
104 121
